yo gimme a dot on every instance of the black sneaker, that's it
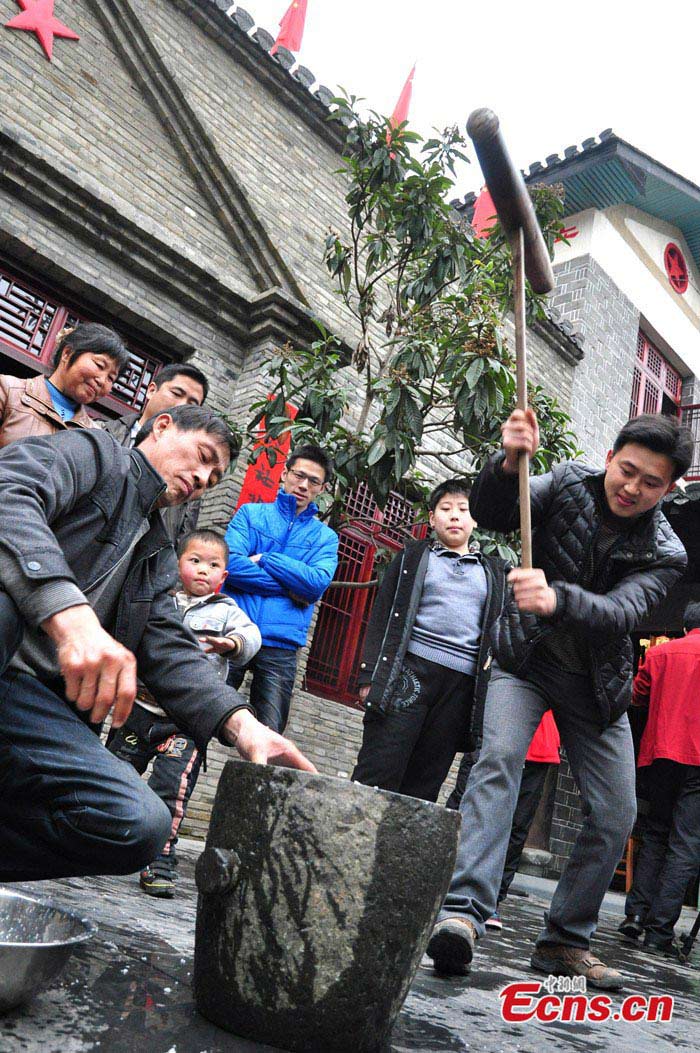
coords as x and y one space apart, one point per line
158 879
631 927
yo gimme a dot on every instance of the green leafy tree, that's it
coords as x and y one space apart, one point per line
431 376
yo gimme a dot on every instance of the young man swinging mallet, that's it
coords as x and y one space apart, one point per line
604 556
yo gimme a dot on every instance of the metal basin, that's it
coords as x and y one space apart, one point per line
36 940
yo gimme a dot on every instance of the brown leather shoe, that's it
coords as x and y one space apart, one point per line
452 946
575 961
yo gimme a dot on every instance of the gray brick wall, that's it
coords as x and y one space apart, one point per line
690 392
87 112
566 820
546 366
609 323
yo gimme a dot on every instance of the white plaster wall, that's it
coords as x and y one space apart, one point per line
629 246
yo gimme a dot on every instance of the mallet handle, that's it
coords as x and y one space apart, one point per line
510 196
521 391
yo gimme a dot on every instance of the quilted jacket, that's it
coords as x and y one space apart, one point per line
392 620
567 505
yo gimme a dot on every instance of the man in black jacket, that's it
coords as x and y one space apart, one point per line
85 573
422 676
605 556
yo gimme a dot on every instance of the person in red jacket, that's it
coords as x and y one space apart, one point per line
669 683
542 753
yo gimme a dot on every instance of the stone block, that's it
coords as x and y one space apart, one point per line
304 76
285 58
264 39
317 899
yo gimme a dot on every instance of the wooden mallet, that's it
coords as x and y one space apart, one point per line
530 257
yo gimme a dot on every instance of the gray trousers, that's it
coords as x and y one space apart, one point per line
602 763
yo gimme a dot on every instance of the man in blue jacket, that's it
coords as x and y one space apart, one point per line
281 560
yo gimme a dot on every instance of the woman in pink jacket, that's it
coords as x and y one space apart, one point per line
87 361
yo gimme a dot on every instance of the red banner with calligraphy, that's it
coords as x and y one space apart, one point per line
262 479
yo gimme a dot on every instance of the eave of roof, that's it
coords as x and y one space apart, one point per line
611 171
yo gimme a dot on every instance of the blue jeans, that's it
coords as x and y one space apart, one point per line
602 763
274 670
68 807
176 761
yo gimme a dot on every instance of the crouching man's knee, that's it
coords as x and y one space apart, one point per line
120 836
151 828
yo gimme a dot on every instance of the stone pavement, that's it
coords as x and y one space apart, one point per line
128 990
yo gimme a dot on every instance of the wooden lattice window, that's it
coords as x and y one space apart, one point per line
656 385
334 657
30 321
331 670
131 384
26 318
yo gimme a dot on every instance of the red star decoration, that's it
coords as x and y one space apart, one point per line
38 18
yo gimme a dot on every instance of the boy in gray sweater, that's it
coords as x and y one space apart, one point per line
225 633
424 669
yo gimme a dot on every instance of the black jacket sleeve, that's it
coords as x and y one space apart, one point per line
621 608
120 429
180 676
494 499
41 479
378 620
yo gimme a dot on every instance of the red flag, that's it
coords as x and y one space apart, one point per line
291 27
262 479
400 113
484 217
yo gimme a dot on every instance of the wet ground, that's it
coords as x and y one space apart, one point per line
128 990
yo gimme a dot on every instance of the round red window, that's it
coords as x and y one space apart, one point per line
676 267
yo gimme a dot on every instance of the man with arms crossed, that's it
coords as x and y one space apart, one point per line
281 560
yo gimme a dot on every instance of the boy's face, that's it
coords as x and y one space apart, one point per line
202 567
452 521
636 479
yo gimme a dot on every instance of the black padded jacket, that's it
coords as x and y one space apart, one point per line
567 510
392 620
